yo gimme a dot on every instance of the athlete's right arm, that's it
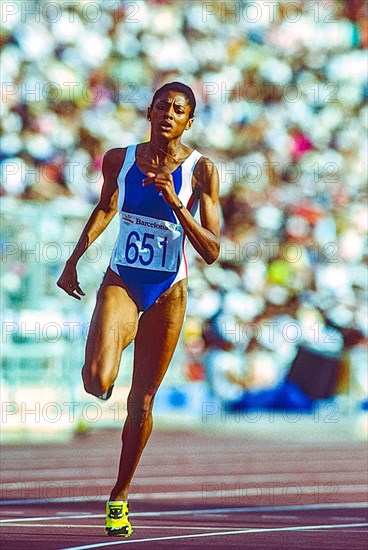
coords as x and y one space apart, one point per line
98 221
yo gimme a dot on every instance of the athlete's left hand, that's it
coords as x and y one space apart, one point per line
164 185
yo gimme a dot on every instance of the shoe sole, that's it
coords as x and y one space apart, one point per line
119 532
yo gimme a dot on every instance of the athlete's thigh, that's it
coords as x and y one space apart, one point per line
157 337
113 326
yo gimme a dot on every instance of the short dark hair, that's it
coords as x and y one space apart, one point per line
177 87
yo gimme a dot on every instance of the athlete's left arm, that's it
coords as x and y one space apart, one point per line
204 236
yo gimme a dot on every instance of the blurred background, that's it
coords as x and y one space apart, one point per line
279 322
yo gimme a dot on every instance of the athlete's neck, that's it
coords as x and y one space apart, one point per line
165 152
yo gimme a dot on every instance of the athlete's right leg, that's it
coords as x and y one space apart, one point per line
113 326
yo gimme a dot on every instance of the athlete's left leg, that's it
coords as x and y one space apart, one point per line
156 340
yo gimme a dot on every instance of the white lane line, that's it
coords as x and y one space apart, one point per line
70 526
210 511
289 492
46 518
100 526
223 534
218 467
186 480
94 461
248 509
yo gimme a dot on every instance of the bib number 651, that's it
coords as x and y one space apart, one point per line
146 251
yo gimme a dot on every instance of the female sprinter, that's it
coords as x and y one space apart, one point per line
156 187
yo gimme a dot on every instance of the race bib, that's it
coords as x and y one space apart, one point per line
148 243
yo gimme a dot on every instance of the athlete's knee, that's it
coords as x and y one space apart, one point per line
98 383
140 406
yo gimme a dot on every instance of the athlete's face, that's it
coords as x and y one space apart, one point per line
170 115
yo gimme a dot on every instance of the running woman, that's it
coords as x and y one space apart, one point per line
156 187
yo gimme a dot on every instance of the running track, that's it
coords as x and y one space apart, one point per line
191 490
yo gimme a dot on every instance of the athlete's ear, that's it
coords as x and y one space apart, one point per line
149 113
189 123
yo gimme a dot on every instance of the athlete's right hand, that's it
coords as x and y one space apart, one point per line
69 283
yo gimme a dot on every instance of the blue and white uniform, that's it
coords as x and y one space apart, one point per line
149 253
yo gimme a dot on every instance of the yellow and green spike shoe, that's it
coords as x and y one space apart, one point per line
117 519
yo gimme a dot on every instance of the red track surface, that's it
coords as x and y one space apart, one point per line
191 490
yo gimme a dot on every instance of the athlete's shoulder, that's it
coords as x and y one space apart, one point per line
205 168
114 156
113 160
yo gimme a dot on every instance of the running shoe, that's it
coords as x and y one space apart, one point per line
117 519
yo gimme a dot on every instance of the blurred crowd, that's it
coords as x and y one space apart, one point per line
282 110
